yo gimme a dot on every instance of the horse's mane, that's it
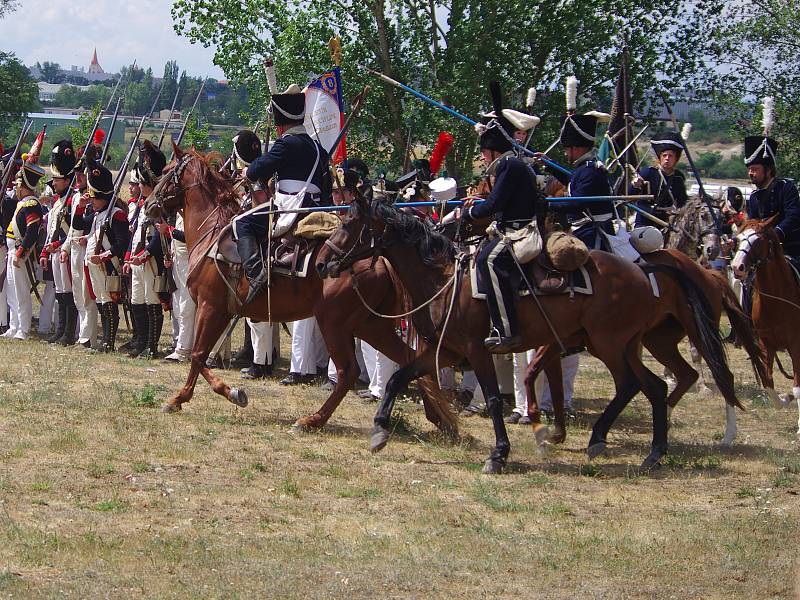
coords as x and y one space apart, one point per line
432 247
688 224
220 187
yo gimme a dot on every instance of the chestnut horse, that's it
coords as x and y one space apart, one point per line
612 321
776 299
209 203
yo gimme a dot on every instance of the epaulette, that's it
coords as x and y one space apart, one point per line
28 203
119 215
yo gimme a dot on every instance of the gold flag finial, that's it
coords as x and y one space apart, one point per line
335 46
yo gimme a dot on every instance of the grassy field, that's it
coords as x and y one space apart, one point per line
103 496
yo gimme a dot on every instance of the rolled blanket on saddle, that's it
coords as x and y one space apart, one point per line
317 225
565 252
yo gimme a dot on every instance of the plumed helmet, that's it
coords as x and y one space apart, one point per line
496 131
578 130
246 147
62 159
357 165
151 163
30 173
760 150
100 181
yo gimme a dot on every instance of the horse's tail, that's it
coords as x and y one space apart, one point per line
709 339
745 334
439 404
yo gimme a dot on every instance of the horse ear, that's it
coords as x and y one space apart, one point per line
364 197
177 150
772 221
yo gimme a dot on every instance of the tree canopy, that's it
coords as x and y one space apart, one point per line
449 50
18 92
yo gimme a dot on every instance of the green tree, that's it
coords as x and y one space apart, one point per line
752 52
521 43
170 84
51 72
80 132
196 136
8 6
18 92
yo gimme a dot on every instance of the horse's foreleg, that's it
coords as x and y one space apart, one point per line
769 383
342 351
547 359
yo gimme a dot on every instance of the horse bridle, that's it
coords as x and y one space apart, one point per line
751 269
346 258
174 176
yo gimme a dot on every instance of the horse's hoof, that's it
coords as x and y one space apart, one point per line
493 467
378 438
169 408
653 461
309 423
556 435
786 400
596 450
773 396
540 433
238 397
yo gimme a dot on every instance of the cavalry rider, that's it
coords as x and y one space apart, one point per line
512 203
588 178
62 163
105 247
773 195
664 181
22 234
145 262
299 163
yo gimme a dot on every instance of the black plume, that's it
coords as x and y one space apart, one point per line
497 97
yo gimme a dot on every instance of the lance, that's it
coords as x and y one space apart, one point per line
26 126
614 162
458 115
186 118
706 198
171 112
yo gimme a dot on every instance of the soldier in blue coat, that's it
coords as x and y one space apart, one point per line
773 195
664 181
588 178
298 162
512 203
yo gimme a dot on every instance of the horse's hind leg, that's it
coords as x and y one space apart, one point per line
209 325
547 359
662 343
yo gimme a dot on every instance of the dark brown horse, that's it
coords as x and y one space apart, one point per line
776 298
611 322
209 203
663 339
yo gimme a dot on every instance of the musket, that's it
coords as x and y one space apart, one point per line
706 198
517 146
26 126
109 133
171 112
187 116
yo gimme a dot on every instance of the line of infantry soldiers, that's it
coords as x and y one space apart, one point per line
91 243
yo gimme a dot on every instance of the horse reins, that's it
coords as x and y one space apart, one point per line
758 264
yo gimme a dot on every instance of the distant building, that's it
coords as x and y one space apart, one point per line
55 121
94 66
79 75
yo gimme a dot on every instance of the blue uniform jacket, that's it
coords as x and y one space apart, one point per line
514 195
780 198
291 157
588 178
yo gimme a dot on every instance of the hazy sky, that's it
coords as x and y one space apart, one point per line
66 32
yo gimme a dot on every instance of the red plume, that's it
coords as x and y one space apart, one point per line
443 145
99 136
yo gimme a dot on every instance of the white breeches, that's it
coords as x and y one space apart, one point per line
143 283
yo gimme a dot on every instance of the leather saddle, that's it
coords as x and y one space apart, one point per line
288 252
545 277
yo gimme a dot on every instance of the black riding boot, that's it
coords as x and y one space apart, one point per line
245 355
62 320
112 314
155 319
250 253
69 337
140 329
105 324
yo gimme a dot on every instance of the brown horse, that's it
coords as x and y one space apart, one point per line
612 321
776 298
663 338
209 203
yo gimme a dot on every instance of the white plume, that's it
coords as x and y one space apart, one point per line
272 77
531 98
686 131
572 93
768 116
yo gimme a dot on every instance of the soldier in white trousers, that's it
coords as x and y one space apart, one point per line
22 235
308 350
265 338
183 307
569 369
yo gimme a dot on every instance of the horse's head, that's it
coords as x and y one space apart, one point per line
168 195
757 244
358 236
